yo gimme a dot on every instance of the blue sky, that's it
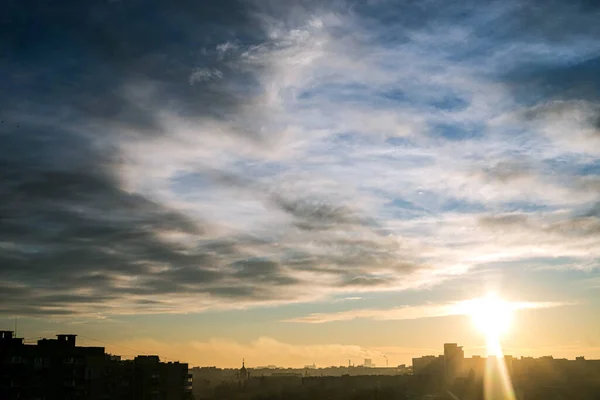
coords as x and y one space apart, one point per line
245 169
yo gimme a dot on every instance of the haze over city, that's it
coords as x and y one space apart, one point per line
302 182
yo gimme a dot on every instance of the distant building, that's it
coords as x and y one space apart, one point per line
453 361
58 369
474 366
243 375
368 363
428 365
153 379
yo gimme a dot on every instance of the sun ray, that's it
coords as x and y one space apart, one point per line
492 316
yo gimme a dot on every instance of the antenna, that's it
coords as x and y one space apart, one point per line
15 326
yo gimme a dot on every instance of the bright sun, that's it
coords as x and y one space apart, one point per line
491 315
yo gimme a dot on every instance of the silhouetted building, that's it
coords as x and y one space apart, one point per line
58 369
474 367
154 380
243 374
453 361
52 369
428 365
532 379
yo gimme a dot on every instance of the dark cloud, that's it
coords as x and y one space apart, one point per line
263 270
508 171
553 20
577 227
367 281
308 213
537 79
316 215
119 62
596 123
74 241
593 211
557 80
35 311
574 81
504 221
235 292
348 262
78 75
563 109
345 243
581 225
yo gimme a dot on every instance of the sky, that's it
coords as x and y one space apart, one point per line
294 181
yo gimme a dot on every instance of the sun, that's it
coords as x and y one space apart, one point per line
492 316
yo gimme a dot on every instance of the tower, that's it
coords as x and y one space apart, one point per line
243 374
453 361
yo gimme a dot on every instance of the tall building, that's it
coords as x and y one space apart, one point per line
52 369
58 369
453 361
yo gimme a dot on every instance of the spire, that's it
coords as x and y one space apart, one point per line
243 374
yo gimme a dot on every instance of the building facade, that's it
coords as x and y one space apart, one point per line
58 369
453 361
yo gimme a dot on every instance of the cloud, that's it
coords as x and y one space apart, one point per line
204 74
317 215
506 171
564 226
251 153
411 312
571 124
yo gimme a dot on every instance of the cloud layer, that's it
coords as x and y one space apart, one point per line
253 153
412 312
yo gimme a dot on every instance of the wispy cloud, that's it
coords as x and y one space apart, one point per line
262 153
413 312
205 74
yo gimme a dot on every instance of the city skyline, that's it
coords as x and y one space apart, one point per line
447 352
298 182
272 350
59 368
